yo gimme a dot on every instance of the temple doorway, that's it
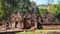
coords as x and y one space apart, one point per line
16 24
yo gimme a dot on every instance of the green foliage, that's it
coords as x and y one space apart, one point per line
42 11
1 12
7 7
54 10
24 6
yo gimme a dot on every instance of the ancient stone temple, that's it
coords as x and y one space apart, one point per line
48 18
31 21
16 20
27 20
36 18
49 21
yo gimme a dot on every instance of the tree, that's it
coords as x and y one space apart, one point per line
42 11
7 7
54 10
0 10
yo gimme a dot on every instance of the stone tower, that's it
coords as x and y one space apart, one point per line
48 18
27 20
16 21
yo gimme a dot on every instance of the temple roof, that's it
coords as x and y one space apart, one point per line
15 16
48 18
27 15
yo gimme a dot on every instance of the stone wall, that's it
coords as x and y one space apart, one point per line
51 27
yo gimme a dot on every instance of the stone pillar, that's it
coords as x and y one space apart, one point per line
3 26
13 25
36 24
20 25
10 25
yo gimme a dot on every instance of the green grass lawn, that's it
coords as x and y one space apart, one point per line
38 32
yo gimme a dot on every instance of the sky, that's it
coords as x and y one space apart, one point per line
43 1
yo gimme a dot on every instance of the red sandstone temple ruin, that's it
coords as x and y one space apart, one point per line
31 21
